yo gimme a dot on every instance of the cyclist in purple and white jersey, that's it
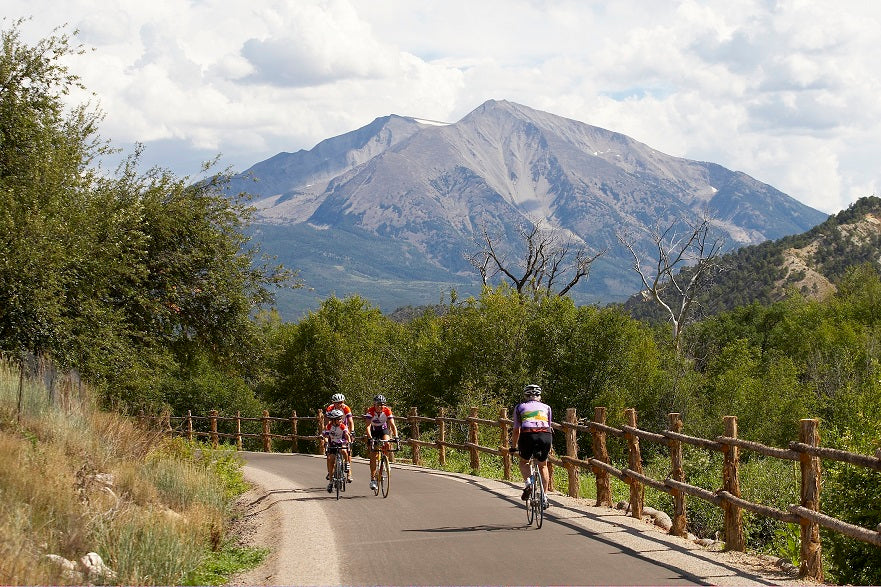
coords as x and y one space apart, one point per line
533 436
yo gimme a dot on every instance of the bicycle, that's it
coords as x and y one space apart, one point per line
535 502
381 477
339 477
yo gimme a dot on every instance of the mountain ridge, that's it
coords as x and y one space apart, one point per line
432 188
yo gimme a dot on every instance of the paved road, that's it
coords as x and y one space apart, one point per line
435 528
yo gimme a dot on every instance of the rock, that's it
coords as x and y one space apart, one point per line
95 568
704 541
663 520
67 567
105 479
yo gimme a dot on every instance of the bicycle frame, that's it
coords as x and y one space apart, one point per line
535 502
381 448
339 469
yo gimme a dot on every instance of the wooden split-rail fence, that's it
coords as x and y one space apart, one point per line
806 451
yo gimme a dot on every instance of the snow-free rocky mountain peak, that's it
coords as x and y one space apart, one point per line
390 210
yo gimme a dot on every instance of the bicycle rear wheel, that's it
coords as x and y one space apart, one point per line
539 502
338 474
384 475
530 512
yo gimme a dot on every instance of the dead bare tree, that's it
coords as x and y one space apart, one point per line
667 284
551 258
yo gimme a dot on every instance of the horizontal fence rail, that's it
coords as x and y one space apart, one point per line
806 451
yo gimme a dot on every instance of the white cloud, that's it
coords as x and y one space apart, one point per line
785 91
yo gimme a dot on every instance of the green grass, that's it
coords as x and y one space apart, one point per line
219 565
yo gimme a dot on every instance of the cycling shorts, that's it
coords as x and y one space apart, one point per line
537 444
378 432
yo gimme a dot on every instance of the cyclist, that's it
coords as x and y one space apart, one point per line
338 437
382 421
533 436
338 402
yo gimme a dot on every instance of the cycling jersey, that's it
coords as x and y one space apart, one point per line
335 433
347 411
379 418
533 416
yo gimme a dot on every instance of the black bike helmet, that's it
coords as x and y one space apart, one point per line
532 390
379 399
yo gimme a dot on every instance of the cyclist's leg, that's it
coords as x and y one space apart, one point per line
524 449
330 463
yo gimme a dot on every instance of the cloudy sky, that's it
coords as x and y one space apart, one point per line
786 91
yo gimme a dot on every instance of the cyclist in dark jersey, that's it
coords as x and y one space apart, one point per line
533 436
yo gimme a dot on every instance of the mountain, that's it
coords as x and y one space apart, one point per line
810 263
391 209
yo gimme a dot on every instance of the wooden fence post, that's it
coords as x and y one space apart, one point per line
214 437
811 562
238 431
441 437
600 453
414 436
294 444
267 440
473 438
319 422
503 443
190 425
634 463
572 452
677 474
731 484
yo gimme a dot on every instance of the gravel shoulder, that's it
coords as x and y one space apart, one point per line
278 514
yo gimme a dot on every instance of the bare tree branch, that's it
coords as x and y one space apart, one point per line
668 286
549 258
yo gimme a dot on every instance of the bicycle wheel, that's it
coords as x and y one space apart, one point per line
530 512
338 474
539 502
384 475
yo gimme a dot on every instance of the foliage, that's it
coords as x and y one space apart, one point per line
119 275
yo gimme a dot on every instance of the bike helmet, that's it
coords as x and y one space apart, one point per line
335 414
338 397
379 399
532 390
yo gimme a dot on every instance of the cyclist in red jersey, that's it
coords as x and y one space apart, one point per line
339 403
381 421
338 440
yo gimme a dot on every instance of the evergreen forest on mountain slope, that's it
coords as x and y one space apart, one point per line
147 286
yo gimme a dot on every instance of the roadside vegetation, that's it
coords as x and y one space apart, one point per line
76 480
146 285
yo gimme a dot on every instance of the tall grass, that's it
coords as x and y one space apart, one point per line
74 480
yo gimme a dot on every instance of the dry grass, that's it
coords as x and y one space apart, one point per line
152 524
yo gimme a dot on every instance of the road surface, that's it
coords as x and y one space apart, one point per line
438 528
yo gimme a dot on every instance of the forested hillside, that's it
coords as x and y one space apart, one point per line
810 263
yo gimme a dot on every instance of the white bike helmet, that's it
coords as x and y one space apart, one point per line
335 414
532 390
338 397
